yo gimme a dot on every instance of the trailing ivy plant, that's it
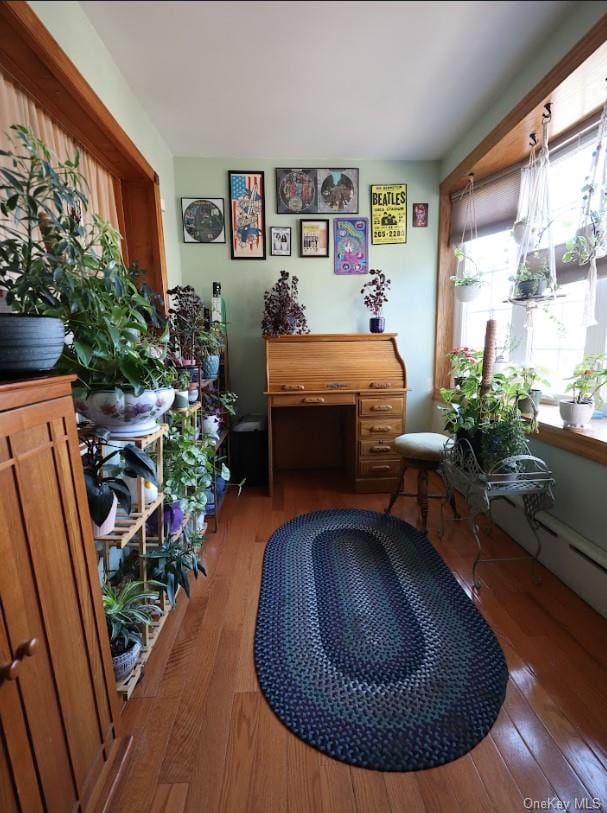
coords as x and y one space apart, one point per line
188 466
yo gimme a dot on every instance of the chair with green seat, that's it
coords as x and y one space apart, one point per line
422 451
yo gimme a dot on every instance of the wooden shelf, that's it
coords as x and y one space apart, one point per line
143 441
189 410
127 686
127 525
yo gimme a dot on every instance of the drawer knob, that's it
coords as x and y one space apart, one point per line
293 387
380 468
311 400
379 429
380 385
380 449
381 408
27 649
10 671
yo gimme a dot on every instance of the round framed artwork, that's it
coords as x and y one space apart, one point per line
203 220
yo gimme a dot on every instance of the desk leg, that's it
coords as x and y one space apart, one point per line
270 454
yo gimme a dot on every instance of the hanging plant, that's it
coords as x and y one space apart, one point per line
467 279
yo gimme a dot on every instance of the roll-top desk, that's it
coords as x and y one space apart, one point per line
361 372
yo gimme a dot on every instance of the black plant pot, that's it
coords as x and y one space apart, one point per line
530 288
29 344
377 324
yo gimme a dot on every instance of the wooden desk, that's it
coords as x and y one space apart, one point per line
362 373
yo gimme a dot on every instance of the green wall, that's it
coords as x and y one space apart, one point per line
333 303
557 43
75 33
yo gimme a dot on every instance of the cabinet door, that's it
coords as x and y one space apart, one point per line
48 595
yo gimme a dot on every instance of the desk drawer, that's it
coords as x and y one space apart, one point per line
379 468
377 448
380 428
382 406
326 399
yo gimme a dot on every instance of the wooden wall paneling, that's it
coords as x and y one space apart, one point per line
445 297
143 230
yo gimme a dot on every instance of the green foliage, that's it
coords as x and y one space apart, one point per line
127 608
466 280
190 338
589 377
463 259
188 465
172 563
214 403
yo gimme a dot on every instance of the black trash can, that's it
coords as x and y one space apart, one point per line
249 451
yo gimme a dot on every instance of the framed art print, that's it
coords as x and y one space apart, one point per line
337 191
351 237
280 241
313 238
247 215
420 215
388 213
296 191
203 220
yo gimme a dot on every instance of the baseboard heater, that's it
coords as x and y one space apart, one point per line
576 560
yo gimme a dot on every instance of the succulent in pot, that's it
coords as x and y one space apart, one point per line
589 377
127 609
107 489
375 296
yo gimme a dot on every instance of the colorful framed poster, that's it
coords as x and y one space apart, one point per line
351 237
388 213
296 191
337 191
203 220
313 238
247 215
280 241
420 215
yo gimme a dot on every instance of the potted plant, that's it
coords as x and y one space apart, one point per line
375 296
38 205
589 376
211 342
216 404
127 609
529 403
464 362
181 384
188 464
467 286
283 315
105 491
173 562
186 321
531 281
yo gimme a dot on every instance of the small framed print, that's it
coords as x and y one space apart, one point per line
420 215
351 237
314 238
203 220
247 215
280 241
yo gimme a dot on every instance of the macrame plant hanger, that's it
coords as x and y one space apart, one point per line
593 220
469 217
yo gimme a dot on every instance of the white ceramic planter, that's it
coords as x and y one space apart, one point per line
124 413
108 526
181 399
576 416
210 425
150 491
467 293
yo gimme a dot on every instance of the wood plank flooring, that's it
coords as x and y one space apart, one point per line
205 741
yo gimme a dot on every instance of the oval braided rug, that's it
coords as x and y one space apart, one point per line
366 646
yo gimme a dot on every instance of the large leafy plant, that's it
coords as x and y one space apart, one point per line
188 465
589 377
128 608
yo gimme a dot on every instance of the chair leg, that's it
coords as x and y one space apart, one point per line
399 486
422 497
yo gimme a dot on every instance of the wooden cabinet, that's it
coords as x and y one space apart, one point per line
58 705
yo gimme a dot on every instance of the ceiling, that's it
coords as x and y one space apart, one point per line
389 80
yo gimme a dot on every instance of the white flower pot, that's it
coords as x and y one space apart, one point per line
467 293
150 491
125 413
210 425
576 416
108 525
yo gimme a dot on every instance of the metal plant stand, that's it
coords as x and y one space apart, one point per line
522 475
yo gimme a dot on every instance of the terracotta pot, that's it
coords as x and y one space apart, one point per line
124 413
576 416
108 524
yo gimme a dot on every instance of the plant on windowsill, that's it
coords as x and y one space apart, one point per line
589 377
375 296
127 609
464 362
467 286
529 403
283 315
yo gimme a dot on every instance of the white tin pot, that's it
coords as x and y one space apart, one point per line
576 416
468 293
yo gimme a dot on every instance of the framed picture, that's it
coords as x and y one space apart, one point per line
296 191
351 237
420 215
337 191
203 220
247 215
280 241
313 238
388 213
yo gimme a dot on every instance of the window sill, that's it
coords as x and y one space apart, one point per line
590 442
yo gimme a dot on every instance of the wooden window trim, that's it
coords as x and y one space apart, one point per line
33 59
498 150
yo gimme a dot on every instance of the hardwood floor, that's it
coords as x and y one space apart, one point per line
205 740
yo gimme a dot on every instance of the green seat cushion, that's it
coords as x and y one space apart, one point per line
421 445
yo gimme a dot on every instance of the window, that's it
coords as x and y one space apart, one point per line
551 338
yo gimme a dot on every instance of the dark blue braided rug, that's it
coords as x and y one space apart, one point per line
368 649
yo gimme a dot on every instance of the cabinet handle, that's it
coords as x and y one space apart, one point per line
27 649
10 670
312 400
379 429
381 408
380 385
380 449
380 468
292 387
337 385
